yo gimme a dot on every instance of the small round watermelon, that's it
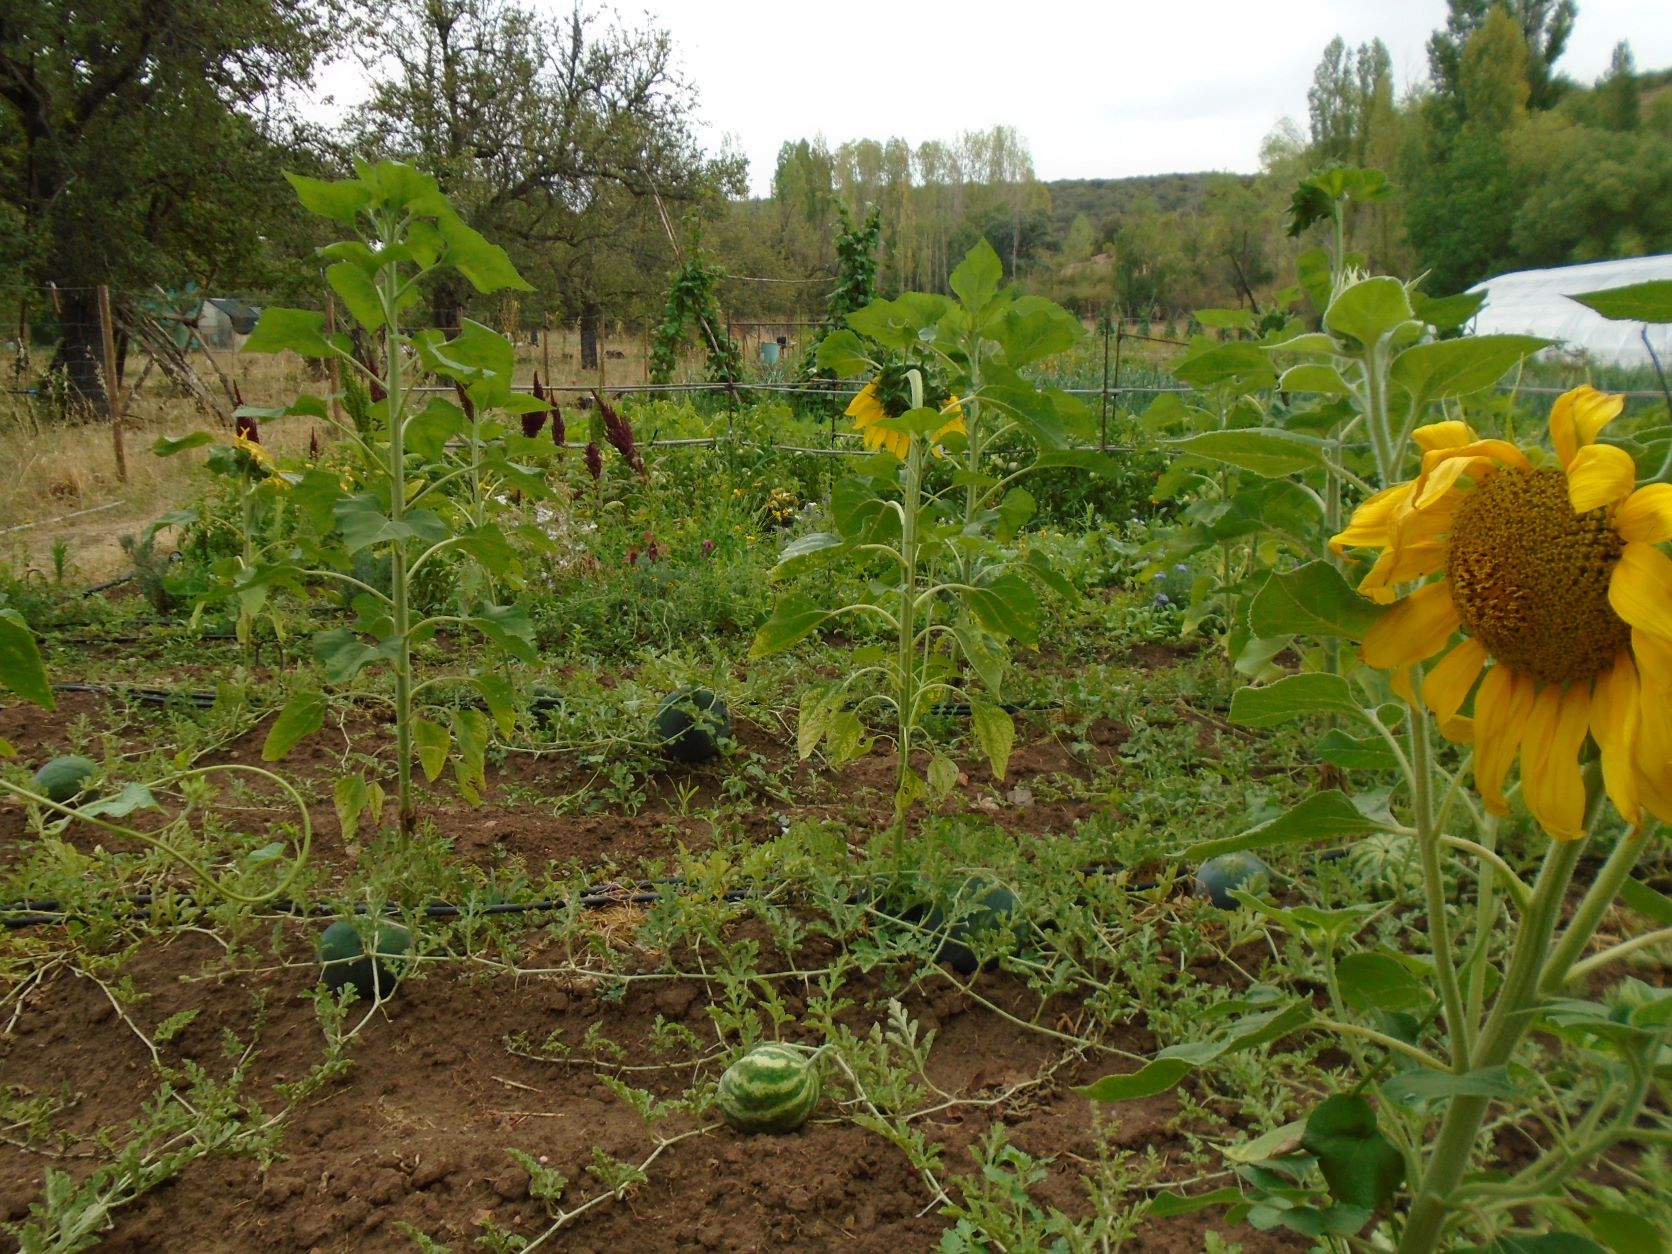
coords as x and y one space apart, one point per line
1220 876
772 1088
63 778
691 723
993 908
344 963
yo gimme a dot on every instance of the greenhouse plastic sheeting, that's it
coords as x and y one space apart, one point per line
1535 302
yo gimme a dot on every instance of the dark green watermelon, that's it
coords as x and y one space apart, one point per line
63 778
690 725
1221 876
344 964
982 908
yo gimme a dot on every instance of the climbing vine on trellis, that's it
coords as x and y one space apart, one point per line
691 303
856 282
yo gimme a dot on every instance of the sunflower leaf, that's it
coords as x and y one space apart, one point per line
1311 600
1272 454
1323 816
1293 697
1641 302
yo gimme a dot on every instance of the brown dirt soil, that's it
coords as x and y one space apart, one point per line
447 1075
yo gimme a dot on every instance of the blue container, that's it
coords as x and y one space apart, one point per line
769 352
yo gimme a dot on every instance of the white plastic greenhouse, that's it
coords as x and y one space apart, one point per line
1535 302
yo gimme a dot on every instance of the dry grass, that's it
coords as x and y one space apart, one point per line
61 479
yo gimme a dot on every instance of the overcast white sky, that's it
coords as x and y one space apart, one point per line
1098 88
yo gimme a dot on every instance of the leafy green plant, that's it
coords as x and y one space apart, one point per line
691 302
420 494
1443 1033
952 590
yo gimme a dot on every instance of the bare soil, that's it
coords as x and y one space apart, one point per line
443 1080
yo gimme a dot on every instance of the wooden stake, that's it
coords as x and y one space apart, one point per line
546 348
333 366
113 390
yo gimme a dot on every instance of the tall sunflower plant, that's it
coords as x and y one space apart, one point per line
1510 609
428 480
932 524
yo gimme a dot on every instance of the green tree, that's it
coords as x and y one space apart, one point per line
555 137
1591 194
1351 93
1544 27
1618 100
138 146
1464 194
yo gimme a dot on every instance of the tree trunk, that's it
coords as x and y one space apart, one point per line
79 359
589 335
447 307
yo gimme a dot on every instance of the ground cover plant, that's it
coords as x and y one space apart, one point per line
1151 871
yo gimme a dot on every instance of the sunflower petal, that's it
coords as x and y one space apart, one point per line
1493 450
1438 435
1449 467
1577 416
1653 654
1401 564
1501 709
1414 630
1653 756
1615 707
1640 589
1371 525
1448 684
1599 474
1646 516
865 407
1551 782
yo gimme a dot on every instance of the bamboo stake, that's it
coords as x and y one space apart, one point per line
113 390
333 366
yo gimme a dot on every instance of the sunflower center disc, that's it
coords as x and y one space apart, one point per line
1529 577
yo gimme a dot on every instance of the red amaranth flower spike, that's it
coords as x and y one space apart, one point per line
619 433
594 460
532 422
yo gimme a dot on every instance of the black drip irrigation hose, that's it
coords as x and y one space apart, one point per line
203 699
145 696
22 914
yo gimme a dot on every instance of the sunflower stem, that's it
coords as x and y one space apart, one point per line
1503 1031
400 612
1458 1025
905 658
1559 969
1613 954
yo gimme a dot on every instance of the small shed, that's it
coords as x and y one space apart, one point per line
1537 302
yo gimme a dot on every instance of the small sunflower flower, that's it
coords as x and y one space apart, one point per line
1553 576
867 409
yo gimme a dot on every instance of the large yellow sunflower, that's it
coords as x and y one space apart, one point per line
866 409
1564 602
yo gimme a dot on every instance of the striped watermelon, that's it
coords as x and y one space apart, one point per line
772 1088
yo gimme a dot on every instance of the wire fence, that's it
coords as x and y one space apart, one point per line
202 335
